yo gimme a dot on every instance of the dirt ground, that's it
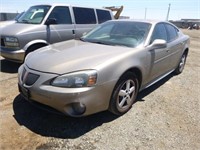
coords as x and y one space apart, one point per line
166 116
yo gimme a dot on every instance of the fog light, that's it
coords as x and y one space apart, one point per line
78 108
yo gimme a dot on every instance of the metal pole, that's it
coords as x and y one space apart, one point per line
168 12
145 15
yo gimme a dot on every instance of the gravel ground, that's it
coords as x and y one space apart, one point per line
166 116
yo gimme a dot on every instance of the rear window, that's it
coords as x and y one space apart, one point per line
84 15
103 15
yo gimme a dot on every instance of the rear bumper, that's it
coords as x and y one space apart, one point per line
13 55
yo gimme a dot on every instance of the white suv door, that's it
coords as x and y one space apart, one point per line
63 29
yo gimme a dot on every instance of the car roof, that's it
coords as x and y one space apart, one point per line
152 22
141 20
63 4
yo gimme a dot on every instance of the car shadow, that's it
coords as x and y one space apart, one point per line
147 91
8 66
53 125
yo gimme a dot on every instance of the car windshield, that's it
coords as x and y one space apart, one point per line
18 16
122 33
34 15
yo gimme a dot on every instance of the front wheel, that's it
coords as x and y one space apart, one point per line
124 94
181 64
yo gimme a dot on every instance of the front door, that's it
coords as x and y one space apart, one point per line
63 29
160 58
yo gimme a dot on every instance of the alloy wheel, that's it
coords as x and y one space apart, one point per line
126 94
182 63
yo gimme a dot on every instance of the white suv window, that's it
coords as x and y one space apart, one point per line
34 15
84 15
61 14
103 15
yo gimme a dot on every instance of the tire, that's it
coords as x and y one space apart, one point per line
181 64
124 94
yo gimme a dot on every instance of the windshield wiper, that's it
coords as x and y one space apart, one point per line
102 42
96 42
24 21
112 44
82 39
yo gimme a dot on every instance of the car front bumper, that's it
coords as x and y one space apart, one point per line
12 55
70 101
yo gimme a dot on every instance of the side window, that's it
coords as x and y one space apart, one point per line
159 33
171 31
61 14
84 15
103 15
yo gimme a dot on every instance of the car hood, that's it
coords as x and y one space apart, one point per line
72 56
15 28
5 23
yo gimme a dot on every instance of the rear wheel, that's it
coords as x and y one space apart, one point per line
181 64
124 94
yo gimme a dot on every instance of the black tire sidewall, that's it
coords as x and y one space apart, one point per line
177 70
113 102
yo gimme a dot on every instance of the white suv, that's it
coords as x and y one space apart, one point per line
42 25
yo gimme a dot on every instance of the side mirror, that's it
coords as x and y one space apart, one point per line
50 21
159 43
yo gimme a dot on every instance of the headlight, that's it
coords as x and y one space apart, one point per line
11 42
77 79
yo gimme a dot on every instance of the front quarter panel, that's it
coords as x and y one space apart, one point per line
114 68
32 36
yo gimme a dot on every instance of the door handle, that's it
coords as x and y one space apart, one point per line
73 32
167 50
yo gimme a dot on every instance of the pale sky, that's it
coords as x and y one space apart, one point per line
155 9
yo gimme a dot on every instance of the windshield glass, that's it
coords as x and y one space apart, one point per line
34 15
123 33
19 15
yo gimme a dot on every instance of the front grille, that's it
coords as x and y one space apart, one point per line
2 42
31 79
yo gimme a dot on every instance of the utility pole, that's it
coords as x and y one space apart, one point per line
145 15
168 12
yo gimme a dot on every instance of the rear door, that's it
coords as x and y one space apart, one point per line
63 29
175 46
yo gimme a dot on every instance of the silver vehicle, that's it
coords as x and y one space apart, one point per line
42 25
105 69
